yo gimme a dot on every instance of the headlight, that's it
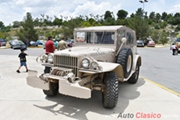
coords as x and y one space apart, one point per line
94 65
50 59
85 63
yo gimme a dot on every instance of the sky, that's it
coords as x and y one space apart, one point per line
15 10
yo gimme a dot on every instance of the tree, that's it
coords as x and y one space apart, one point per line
152 15
1 25
141 27
27 31
164 16
163 38
177 15
140 12
177 28
107 15
132 15
155 35
122 14
68 27
158 17
57 21
16 24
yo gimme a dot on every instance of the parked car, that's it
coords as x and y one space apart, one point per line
33 43
140 43
2 42
70 43
151 43
40 42
17 44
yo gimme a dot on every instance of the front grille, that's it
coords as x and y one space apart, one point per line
66 62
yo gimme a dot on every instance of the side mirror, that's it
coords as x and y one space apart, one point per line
123 39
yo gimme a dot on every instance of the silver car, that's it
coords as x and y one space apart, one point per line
17 44
2 42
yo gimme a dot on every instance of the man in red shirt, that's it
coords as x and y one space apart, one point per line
49 49
50 45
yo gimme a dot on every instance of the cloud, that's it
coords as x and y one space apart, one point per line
15 10
92 8
174 9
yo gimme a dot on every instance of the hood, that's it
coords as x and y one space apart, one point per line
84 51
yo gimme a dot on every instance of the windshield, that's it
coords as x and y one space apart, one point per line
2 40
178 40
95 37
18 42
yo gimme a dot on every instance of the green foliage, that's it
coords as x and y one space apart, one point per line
177 28
152 15
163 24
157 27
178 35
57 21
108 21
140 13
16 24
155 35
121 22
122 14
138 21
164 16
1 25
27 31
68 28
140 26
3 35
163 38
107 15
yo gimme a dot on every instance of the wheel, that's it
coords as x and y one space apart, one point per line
125 58
53 89
110 90
134 78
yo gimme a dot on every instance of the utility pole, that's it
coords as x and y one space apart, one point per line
143 1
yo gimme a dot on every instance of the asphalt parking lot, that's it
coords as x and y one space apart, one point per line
19 101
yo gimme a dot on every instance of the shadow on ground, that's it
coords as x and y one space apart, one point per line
79 108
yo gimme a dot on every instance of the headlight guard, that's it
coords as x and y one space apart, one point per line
50 58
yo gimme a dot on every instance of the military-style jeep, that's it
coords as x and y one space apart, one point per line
102 57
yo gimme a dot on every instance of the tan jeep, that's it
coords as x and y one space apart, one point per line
102 57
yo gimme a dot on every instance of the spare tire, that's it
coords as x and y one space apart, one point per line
125 59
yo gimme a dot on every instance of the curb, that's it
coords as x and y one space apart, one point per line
161 86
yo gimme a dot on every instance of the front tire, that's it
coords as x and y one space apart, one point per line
53 89
110 90
134 78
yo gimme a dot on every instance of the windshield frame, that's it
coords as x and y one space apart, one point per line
93 37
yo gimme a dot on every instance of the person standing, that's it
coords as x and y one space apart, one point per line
173 48
50 48
22 57
62 44
50 45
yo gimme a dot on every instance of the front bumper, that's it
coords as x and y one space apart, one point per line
65 87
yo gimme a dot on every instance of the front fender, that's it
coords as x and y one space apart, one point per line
115 67
107 67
